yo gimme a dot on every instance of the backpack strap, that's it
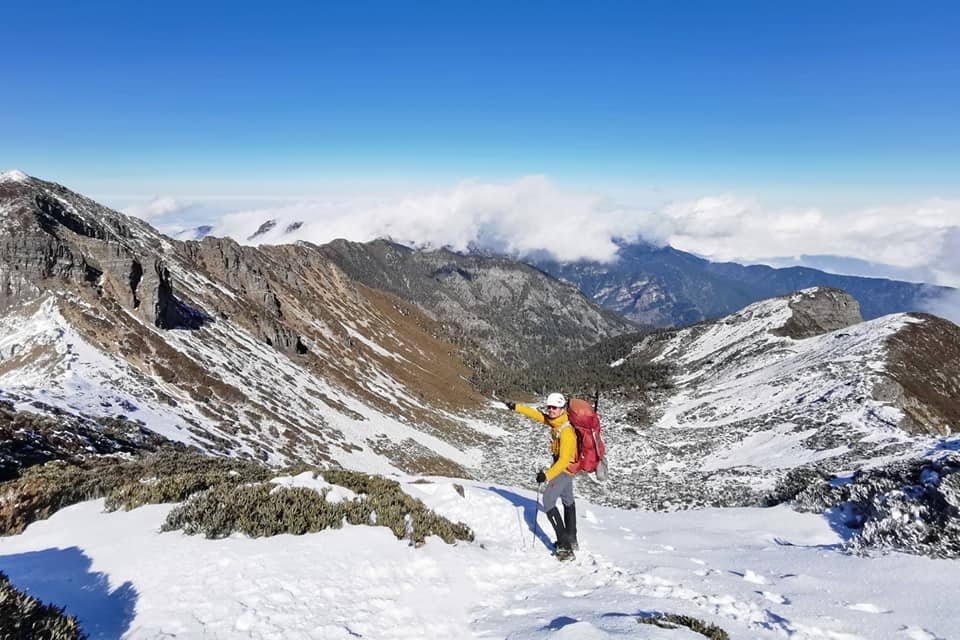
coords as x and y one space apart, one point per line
576 436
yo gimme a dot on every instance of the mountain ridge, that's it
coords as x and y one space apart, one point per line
662 286
273 353
279 354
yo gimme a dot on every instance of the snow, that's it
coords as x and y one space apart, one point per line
780 447
334 493
14 176
757 573
736 370
67 372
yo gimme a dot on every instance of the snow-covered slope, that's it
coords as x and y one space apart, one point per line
755 573
747 402
772 401
272 353
57 366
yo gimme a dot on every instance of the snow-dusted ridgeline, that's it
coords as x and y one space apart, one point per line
50 362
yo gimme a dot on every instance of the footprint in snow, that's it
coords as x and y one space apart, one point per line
919 633
866 607
750 576
775 598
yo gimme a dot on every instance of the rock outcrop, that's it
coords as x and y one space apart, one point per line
818 311
514 311
270 352
923 375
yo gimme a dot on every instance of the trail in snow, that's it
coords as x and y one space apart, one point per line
757 573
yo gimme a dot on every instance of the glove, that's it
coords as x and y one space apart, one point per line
510 405
541 476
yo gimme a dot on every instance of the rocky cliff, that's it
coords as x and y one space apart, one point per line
514 311
273 353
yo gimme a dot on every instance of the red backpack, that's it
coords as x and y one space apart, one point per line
590 447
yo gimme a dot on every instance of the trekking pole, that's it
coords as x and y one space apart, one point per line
536 514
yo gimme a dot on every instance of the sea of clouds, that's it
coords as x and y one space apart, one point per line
917 241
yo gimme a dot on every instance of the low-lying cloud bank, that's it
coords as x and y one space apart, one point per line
523 216
533 214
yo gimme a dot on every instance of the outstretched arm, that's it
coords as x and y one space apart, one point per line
530 412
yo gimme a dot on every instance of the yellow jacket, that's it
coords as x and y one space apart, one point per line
563 444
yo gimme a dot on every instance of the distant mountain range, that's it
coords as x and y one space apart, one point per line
660 286
664 287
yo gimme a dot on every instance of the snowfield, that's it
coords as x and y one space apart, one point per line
756 573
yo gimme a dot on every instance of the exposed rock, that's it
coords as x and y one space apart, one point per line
820 310
922 375
263 229
51 238
271 353
516 312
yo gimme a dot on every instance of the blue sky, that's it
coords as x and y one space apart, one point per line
749 131
768 97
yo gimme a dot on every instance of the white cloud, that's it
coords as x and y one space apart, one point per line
521 216
946 306
924 236
714 217
535 214
155 208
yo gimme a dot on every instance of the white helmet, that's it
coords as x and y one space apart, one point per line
556 400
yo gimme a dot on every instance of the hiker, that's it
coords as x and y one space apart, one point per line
559 480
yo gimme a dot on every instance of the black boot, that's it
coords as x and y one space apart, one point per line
563 547
570 518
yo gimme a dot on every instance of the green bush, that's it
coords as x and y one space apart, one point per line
177 483
228 495
580 372
672 620
42 490
265 509
23 617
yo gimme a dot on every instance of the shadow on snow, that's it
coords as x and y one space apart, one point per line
559 623
62 577
530 509
946 444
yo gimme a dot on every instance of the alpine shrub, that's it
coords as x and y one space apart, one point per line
806 488
42 490
911 506
264 509
23 617
672 621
